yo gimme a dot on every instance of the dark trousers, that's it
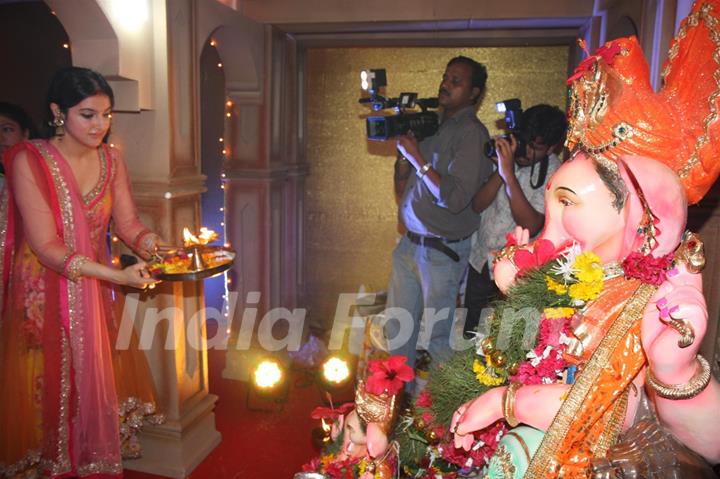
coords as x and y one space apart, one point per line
480 292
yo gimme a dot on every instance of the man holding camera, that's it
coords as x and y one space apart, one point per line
513 196
436 180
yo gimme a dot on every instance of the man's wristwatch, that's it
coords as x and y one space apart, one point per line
422 171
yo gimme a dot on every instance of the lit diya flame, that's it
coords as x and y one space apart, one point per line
206 236
325 426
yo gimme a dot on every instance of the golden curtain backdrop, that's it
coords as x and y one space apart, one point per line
351 214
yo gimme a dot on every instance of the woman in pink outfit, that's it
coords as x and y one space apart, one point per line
59 406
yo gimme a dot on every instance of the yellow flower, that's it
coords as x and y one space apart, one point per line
554 286
588 268
484 376
556 313
585 291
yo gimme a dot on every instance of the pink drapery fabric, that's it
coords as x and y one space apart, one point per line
73 425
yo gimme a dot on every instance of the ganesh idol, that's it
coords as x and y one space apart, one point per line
636 315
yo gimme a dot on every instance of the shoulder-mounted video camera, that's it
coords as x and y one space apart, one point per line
422 124
513 110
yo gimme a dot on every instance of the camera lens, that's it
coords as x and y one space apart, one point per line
490 149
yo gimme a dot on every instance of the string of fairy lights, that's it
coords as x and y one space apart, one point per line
225 152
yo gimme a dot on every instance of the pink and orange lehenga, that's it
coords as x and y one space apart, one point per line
60 402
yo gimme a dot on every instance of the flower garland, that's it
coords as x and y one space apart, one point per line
554 285
528 333
334 468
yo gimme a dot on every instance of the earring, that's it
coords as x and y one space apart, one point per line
59 123
648 231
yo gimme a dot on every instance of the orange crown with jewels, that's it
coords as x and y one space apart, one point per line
614 110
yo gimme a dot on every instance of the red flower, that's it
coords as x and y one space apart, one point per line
331 413
424 400
543 250
389 375
313 466
647 268
428 417
606 53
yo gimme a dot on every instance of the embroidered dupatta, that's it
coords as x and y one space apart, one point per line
590 418
59 407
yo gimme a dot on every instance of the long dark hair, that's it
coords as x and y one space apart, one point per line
72 85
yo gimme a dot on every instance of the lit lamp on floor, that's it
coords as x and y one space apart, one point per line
335 378
268 389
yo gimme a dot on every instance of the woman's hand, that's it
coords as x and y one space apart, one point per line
136 276
151 246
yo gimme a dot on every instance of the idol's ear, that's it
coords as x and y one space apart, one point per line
377 442
664 195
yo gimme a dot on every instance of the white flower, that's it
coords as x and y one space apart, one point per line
547 350
478 445
565 265
534 359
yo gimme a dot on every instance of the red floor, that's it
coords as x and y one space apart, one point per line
267 445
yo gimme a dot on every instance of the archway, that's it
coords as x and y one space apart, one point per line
212 155
29 61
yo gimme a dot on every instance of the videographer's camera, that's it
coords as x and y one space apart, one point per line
422 124
513 110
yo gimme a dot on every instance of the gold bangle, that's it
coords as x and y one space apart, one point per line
507 252
73 265
690 389
509 404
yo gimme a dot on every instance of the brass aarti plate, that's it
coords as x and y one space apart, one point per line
192 263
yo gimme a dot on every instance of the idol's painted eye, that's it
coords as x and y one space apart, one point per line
565 201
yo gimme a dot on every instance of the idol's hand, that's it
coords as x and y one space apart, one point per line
475 415
674 325
504 269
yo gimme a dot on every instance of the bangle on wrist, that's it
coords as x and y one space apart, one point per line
509 403
690 389
422 171
507 253
72 264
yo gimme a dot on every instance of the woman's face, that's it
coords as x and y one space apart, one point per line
10 133
89 121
